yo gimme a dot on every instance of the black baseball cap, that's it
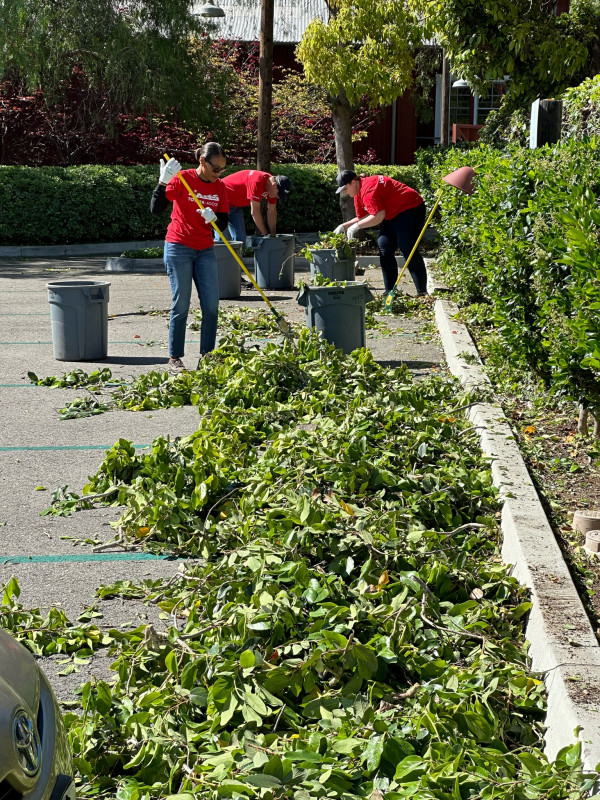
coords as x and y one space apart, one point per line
284 187
344 178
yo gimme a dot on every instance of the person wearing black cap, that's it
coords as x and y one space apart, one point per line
400 213
247 188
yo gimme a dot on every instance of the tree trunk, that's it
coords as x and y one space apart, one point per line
342 129
265 86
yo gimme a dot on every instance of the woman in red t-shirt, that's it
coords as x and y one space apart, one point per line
189 253
400 213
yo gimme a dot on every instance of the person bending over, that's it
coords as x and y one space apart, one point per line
247 188
400 213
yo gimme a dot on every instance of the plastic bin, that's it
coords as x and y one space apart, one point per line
274 261
337 313
327 263
79 317
230 273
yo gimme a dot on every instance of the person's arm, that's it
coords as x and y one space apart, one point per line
345 225
370 221
257 217
158 201
272 218
168 170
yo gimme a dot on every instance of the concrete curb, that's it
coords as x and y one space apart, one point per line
104 249
63 250
562 642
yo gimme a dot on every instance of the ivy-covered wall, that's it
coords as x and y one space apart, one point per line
91 203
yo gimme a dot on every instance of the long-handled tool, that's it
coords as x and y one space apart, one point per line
462 179
282 323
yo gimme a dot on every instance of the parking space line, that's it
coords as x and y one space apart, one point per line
16 448
59 559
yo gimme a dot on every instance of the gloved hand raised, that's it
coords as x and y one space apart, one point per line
168 169
352 231
208 214
340 228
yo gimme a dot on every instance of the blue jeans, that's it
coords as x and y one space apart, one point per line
237 226
402 231
183 266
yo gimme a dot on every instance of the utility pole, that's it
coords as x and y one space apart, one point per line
265 86
445 116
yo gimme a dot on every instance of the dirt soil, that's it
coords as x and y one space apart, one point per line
565 467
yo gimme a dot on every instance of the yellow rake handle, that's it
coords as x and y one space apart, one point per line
231 250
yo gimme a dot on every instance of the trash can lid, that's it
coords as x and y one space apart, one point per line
75 284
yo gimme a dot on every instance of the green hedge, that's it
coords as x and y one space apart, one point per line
526 246
74 205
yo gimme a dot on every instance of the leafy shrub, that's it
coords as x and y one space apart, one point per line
581 116
526 245
93 203
143 252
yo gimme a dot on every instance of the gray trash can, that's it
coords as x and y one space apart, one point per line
337 312
274 261
79 317
327 263
230 272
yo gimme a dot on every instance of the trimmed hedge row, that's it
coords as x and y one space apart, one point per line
526 246
91 203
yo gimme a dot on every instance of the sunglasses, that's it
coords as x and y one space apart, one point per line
216 170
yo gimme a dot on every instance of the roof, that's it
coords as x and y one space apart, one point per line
242 19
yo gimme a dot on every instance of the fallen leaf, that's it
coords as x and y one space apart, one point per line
348 509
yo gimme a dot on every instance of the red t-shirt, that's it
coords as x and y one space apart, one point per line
245 186
187 226
378 192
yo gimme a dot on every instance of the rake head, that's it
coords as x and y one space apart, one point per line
389 301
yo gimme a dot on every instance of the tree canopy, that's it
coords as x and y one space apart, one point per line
366 49
541 52
136 54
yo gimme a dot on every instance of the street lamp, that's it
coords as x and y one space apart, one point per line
209 9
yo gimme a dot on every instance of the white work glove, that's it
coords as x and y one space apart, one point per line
352 231
168 169
340 228
208 214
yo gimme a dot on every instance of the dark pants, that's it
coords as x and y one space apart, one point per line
401 232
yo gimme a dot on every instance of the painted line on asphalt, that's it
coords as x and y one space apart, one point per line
16 448
82 557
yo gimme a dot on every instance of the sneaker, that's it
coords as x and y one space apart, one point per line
176 365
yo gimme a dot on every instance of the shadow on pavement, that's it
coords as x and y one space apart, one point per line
413 366
134 360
